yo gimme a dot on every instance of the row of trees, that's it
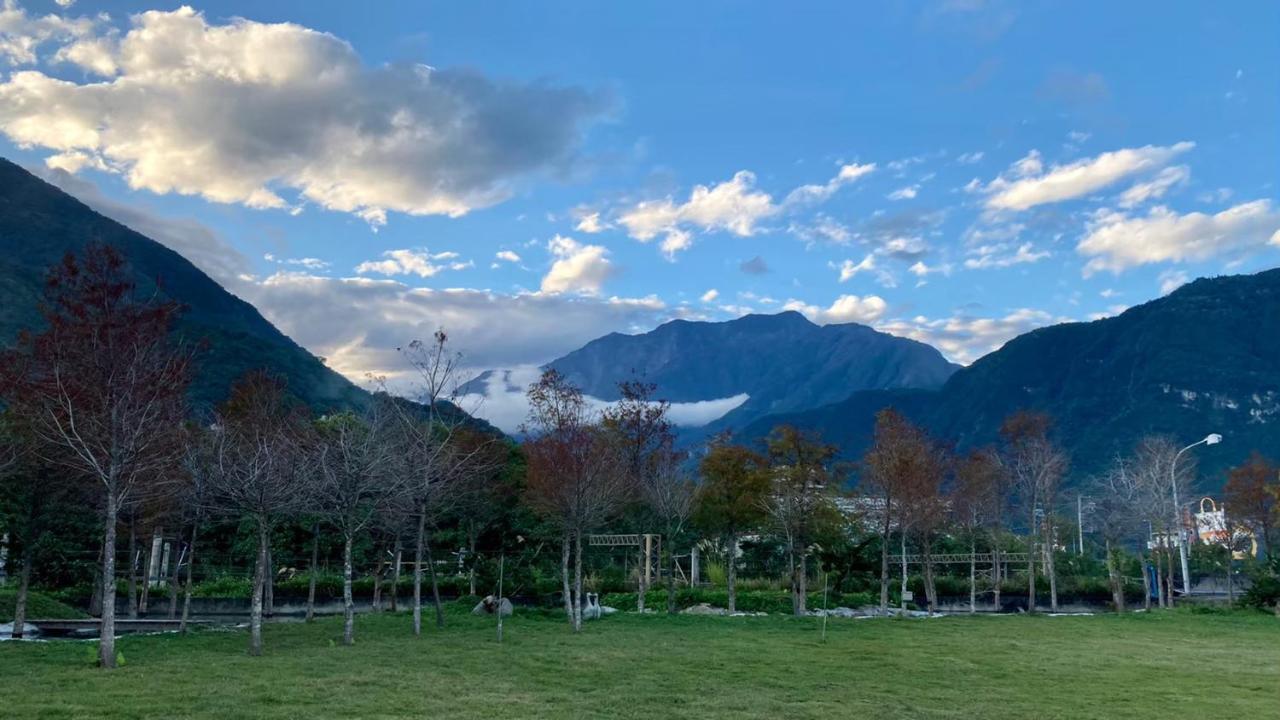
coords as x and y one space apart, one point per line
98 398
96 415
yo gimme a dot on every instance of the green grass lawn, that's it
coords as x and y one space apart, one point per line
627 666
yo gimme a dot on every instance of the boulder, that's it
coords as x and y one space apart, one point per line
489 605
704 609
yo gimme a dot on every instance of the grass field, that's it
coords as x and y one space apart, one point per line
627 666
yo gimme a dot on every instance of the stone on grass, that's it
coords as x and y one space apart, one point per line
489 605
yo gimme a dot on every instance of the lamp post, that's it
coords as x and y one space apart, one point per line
1210 439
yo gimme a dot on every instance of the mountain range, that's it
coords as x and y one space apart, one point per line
1205 358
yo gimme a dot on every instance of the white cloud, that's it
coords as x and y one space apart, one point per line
578 268
22 35
243 112
823 228
412 262
904 193
845 309
1156 187
963 338
849 269
507 256
1003 255
733 206
1117 241
710 295
971 157
505 404
1171 280
1033 186
591 223
809 194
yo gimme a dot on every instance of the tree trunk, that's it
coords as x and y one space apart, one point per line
802 584
145 569
259 583
313 571
24 586
642 571
269 582
174 552
471 556
973 574
577 581
107 629
731 572
995 572
902 592
377 581
1113 575
417 571
1169 574
884 561
1050 569
1231 592
132 586
435 584
1031 571
930 592
395 573
564 578
348 607
671 579
186 590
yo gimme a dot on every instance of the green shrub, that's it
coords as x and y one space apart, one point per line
39 606
1264 593
770 601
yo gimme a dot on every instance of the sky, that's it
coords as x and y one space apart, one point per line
530 176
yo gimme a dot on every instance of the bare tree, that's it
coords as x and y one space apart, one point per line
1036 467
357 454
973 500
261 468
799 504
1152 465
103 389
896 463
577 474
199 463
731 500
1119 509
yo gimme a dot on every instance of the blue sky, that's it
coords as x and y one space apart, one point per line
533 175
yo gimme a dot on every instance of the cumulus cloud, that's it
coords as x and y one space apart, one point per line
412 262
807 194
578 268
1117 241
845 309
21 34
1027 185
710 295
733 206
1003 255
248 112
507 256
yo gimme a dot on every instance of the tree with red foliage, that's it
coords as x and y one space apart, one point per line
577 473
102 389
1252 495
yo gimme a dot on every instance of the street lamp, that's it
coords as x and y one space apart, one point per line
1210 439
